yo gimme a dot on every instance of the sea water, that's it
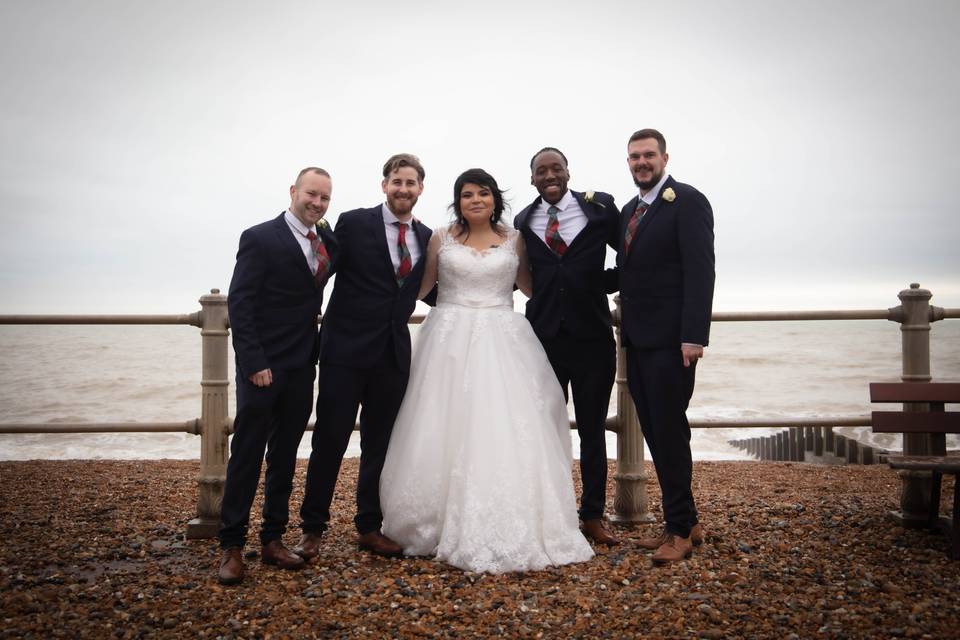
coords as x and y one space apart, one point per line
754 370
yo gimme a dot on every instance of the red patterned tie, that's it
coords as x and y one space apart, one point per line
632 225
406 263
553 237
323 258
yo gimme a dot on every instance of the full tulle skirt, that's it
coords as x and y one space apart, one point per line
478 471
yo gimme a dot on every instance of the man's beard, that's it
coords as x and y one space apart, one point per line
646 185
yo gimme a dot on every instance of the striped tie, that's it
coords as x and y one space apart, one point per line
633 224
553 238
323 257
406 264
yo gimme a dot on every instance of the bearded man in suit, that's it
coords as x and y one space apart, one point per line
365 352
275 297
666 267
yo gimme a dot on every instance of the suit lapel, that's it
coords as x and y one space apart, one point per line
290 245
379 231
651 213
589 211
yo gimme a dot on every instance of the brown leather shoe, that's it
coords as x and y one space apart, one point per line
274 553
309 546
379 544
675 548
697 535
596 530
231 566
696 538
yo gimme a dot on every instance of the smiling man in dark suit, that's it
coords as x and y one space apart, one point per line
275 297
666 267
365 351
566 235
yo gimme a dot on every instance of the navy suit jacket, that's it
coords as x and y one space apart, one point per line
570 291
368 307
274 300
667 276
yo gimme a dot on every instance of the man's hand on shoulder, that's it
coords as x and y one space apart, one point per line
691 353
262 378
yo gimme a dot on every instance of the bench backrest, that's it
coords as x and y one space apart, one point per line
936 394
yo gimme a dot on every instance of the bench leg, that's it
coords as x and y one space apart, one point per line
934 518
955 530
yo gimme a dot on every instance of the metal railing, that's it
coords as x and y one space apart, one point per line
914 314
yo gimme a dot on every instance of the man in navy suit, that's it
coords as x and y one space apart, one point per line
275 296
666 267
365 351
566 235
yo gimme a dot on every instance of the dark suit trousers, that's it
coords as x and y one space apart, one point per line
342 390
661 388
588 367
270 419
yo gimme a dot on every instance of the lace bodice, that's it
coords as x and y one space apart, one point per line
472 278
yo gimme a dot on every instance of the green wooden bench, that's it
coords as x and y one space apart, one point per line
937 422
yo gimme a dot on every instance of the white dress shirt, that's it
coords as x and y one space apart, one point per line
300 235
571 217
393 234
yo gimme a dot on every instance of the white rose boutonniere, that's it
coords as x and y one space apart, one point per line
323 224
590 196
669 195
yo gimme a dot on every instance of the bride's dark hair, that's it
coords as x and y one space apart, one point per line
481 178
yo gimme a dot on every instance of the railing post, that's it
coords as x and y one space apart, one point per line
913 314
214 386
630 479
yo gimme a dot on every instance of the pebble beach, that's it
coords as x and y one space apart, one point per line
95 549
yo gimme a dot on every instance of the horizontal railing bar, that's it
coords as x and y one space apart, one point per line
753 423
825 314
780 422
190 426
188 318
418 318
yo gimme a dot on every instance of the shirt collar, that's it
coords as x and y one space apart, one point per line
390 218
562 204
653 193
295 223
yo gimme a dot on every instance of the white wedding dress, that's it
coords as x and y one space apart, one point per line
478 471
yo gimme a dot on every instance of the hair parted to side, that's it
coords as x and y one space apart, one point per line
480 178
643 134
544 150
403 160
303 172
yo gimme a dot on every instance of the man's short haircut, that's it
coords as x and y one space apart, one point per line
403 160
303 172
544 150
644 134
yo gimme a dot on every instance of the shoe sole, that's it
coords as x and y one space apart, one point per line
661 561
274 563
398 554
229 581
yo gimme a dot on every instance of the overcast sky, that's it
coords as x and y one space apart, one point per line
138 139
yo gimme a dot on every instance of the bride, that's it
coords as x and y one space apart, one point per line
478 471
